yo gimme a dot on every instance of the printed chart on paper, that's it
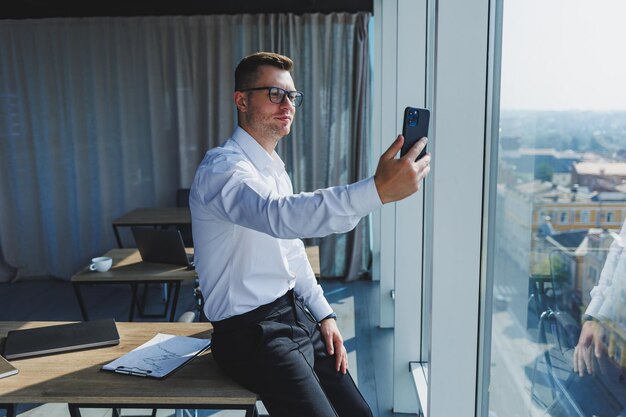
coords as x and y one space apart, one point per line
159 356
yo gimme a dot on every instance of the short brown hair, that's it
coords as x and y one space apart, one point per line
247 70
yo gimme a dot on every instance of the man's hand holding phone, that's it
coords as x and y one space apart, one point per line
398 178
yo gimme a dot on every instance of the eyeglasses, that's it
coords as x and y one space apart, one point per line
277 95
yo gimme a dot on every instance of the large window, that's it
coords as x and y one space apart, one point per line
559 207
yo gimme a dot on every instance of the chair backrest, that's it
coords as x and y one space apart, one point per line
182 197
182 200
558 390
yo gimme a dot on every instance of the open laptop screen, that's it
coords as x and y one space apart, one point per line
161 246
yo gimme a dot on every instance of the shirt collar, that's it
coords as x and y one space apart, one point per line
255 152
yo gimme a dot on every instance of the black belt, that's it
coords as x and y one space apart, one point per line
254 316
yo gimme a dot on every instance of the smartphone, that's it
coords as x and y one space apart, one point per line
414 127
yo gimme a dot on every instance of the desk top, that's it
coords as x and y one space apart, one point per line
75 377
155 216
128 267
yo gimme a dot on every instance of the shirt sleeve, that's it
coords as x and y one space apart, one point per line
234 193
601 292
306 283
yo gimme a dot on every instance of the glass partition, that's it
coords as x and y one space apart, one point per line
560 205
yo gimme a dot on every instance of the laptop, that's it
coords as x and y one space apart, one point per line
163 246
46 340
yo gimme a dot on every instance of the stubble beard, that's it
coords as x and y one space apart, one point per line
268 130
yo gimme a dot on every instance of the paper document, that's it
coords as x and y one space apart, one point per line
6 369
159 356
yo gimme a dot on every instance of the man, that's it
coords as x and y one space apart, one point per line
601 348
606 306
274 332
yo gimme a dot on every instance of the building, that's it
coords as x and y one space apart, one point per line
535 163
574 208
599 176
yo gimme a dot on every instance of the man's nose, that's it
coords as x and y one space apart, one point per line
287 102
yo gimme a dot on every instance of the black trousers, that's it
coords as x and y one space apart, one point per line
277 351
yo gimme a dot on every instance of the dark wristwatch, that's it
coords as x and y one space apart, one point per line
332 315
587 317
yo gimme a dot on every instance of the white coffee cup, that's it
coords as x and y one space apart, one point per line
101 264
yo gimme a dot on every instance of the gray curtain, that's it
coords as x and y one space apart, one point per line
99 116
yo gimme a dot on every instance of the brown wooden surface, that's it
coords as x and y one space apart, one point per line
76 377
153 216
127 266
313 253
356 303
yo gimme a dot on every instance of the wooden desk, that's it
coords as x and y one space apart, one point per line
129 269
165 216
75 378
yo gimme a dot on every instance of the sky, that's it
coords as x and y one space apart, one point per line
564 55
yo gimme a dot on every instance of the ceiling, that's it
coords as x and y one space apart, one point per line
28 9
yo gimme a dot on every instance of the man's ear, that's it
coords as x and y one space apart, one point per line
241 101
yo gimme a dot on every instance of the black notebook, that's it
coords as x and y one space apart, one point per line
60 338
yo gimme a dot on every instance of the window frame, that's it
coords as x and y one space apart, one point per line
610 216
585 216
459 87
400 80
464 157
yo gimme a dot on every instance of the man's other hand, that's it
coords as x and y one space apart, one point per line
397 179
590 342
334 344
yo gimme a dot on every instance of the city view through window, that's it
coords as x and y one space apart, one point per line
559 263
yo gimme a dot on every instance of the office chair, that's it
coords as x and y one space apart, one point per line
197 313
555 388
182 200
552 374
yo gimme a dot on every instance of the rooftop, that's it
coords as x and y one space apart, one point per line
600 168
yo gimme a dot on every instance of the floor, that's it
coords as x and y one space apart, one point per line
356 303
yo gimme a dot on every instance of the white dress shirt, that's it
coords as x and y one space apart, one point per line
247 225
607 298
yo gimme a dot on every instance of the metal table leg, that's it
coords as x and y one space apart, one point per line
11 409
175 300
81 301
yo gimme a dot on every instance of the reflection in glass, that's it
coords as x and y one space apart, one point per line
558 270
